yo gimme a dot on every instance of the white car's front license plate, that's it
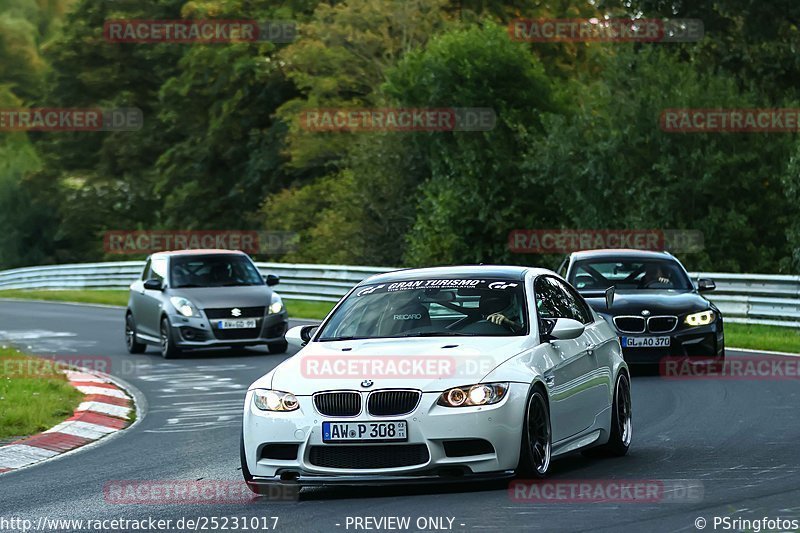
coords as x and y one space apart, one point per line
236 324
365 431
645 342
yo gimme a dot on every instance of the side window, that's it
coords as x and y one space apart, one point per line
146 271
546 298
158 269
555 300
578 304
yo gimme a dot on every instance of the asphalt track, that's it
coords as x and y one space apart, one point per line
739 439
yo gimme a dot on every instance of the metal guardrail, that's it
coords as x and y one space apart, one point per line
756 298
299 281
747 298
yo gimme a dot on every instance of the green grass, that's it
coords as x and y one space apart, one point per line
34 396
308 309
107 297
297 308
757 337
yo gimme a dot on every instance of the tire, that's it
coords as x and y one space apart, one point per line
621 419
537 437
131 343
278 347
248 477
168 348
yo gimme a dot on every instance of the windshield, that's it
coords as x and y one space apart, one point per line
430 307
213 271
629 275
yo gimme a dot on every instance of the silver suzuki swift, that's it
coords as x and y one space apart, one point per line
202 299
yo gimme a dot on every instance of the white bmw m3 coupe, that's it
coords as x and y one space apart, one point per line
440 374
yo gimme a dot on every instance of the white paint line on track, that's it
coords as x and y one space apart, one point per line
19 455
105 408
787 354
88 389
84 430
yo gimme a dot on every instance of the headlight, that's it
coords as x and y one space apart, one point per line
276 304
184 306
275 400
471 395
702 318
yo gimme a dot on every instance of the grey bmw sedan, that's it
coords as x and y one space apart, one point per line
201 299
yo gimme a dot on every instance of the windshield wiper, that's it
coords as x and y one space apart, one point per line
342 338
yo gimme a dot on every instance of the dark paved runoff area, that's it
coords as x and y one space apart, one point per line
739 439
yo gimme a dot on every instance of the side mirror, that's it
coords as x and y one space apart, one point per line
299 336
610 292
272 279
566 329
705 285
153 285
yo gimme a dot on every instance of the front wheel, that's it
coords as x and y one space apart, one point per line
537 437
168 348
248 477
131 343
278 347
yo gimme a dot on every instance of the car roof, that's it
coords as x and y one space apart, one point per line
622 253
456 272
199 251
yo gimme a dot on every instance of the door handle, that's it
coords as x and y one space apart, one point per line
550 380
590 347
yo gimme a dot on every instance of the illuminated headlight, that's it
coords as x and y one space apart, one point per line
274 400
276 304
184 306
472 395
702 318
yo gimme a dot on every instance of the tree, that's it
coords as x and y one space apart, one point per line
469 186
341 60
610 165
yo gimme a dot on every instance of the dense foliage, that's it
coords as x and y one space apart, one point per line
576 144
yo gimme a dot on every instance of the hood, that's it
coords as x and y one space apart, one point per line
428 364
220 297
663 302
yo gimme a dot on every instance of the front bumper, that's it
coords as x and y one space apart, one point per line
430 426
199 332
702 343
373 480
